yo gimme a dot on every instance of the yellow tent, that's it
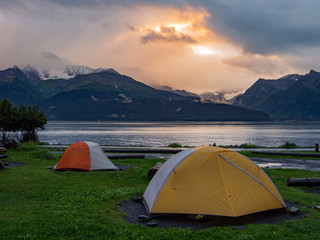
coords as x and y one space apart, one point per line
211 181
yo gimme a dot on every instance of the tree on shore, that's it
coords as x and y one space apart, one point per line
27 120
31 119
8 120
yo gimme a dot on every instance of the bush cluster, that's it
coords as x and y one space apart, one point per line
289 145
249 145
175 145
21 119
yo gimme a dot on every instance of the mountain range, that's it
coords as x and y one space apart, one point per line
290 97
82 93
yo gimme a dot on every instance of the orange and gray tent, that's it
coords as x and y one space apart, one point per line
211 181
84 156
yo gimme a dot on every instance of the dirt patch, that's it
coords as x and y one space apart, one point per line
7 164
133 209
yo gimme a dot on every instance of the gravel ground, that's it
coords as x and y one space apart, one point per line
133 209
301 164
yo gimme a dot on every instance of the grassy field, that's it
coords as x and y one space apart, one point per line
36 203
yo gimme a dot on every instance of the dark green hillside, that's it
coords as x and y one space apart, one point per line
84 105
262 89
297 100
15 86
112 81
108 95
49 88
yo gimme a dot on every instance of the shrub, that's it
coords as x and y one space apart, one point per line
31 119
175 145
249 145
43 154
289 145
26 147
27 120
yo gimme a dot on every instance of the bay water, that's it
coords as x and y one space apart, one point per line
267 134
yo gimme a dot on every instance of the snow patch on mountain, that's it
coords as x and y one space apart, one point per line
94 98
63 72
126 99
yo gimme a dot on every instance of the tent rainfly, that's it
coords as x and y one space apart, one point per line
84 156
211 181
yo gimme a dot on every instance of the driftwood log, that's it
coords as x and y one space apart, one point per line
296 154
2 150
306 182
125 156
1 165
140 150
154 169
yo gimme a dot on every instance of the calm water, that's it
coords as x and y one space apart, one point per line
269 134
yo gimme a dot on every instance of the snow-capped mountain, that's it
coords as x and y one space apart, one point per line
68 72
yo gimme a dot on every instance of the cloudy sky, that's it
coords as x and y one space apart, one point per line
204 45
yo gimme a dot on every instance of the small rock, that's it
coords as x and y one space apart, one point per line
154 169
294 211
51 169
200 217
152 224
137 199
143 218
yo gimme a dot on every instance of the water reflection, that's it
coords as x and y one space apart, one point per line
269 134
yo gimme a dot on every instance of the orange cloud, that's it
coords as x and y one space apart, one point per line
170 25
151 43
166 34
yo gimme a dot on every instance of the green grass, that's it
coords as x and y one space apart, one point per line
39 204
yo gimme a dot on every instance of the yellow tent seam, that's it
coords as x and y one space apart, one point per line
266 176
225 186
253 178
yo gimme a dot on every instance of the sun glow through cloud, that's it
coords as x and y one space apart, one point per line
203 50
183 28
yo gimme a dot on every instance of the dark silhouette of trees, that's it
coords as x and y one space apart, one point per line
31 119
8 120
26 120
